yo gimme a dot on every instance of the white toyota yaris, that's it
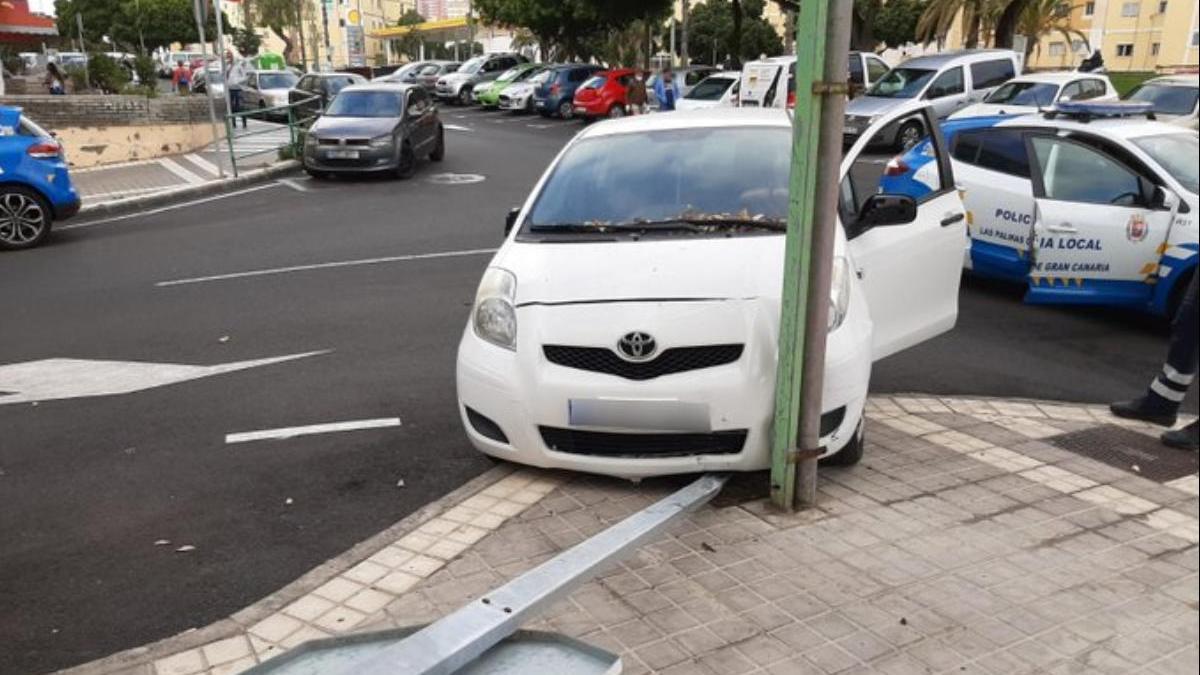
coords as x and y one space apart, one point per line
628 325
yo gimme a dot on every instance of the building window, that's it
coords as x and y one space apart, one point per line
1078 46
1125 49
1062 9
1057 49
1154 49
1196 38
1162 7
1130 9
1089 8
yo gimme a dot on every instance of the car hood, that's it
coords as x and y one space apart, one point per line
358 127
656 269
987 109
873 105
696 104
457 77
519 89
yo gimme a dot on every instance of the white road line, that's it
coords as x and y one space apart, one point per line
177 169
328 265
455 127
292 432
295 185
169 207
124 193
204 164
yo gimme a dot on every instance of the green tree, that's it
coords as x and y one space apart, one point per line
896 23
862 24
158 22
1044 17
247 41
570 28
410 43
713 33
282 17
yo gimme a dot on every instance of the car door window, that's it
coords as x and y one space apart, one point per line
578 75
305 83
1093 89
1000 150
947 84
876 68
988 74
920 173
856 69
1071 172
1072 92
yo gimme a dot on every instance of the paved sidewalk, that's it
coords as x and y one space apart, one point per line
103 184
967 541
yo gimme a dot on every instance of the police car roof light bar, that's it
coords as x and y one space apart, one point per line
1085 111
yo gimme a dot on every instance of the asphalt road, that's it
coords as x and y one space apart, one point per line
90 484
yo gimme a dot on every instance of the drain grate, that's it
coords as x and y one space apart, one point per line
1122 448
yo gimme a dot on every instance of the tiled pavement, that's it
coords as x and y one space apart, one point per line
964 542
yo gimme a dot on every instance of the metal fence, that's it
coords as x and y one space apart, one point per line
278 130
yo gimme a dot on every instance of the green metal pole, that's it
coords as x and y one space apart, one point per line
823 28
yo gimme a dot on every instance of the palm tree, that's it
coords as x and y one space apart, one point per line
997 18
1043 17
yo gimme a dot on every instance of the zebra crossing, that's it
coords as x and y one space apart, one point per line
258 138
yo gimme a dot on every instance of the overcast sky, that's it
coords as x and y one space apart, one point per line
43 6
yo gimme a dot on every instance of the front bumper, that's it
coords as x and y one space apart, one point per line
514 405
507 102
368 159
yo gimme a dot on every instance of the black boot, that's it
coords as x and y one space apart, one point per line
1187 438
1140 409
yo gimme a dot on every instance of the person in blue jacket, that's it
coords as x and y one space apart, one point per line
666 90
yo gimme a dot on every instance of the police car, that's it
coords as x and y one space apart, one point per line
1091 204
35 186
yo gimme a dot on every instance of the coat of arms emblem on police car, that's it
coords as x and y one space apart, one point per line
1137 228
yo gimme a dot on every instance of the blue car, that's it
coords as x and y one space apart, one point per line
556 95
35 185
903 174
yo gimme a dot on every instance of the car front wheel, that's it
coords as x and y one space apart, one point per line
464 96
852 453
909 135
439 150
25 218
566 110
407 166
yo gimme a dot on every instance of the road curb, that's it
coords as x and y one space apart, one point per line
143 656
170 196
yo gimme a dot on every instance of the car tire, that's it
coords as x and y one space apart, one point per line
566 110
464 97
853 452
407 165
616 112
25 218
439 150
910 134
529 106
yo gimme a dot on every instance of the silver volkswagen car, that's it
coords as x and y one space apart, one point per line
375 128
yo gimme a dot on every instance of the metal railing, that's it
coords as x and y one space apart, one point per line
298 119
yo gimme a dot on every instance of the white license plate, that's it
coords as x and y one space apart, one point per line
342 154
645 414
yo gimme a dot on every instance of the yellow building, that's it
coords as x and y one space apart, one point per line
1137 35
1143 35
340 20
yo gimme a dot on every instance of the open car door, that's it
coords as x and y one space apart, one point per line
910 264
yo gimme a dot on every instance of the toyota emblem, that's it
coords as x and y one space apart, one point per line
636 346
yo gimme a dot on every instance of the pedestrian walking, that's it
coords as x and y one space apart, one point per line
1160 404
181 78
636 95
54 80
666 90
235 77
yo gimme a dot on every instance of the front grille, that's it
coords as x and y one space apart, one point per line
357 142
674 360
643 445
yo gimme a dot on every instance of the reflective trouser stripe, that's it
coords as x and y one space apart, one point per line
1163 390
1177 377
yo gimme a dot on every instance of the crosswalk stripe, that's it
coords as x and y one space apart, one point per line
175 168
204 164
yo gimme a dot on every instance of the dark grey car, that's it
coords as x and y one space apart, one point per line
375 128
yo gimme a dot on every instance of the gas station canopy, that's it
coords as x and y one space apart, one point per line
446 29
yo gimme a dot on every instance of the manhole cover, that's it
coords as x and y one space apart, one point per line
455 178
1121 448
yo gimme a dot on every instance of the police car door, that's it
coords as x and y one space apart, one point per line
991 171
1096 237
910 272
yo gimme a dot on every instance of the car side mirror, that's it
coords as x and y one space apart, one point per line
1164 199
886 209
511 219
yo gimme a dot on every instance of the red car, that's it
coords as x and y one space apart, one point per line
604 94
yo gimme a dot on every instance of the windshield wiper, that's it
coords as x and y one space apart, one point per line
706 223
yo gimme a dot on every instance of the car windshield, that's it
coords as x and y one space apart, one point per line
541 77
1167 99
511 74
594 82
690 180
1037 94
430 70
471 67
340 82
450 68
710 89
902 83
276 81
366 104
1176 154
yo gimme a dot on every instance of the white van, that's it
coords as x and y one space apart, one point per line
760 79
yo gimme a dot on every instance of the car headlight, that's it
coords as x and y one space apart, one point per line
493 316
839 292
384 141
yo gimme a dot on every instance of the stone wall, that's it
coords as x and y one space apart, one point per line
97 130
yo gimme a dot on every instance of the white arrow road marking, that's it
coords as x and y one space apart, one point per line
328 265
295 185
455 127
50 379
292 432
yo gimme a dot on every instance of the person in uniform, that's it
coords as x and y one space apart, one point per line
1160 404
